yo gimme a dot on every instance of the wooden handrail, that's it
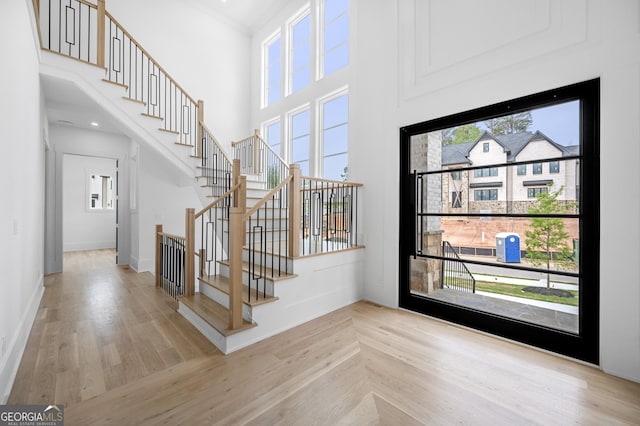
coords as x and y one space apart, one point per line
337 182
284 163
173 236
142 49
217 200
210 133
266 198
86 3
233 144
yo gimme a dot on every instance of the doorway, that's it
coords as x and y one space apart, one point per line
90 203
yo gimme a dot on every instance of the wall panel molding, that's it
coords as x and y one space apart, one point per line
452 41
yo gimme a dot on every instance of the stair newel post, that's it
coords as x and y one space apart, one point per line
100 39
200 136
159 256
237 235
190 242
295 210
257 167
235 172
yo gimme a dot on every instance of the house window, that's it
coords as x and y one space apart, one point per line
554 167
272 135
457 175
300 140
300 51
489 171
537 168
456 199
335 35
533 192
335 136
485 147
272 75
485 194
522 170
100 192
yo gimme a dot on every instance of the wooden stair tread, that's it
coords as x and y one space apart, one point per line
223 284
124 86
269 273
127 98
185 145
144 114
213 313
173 132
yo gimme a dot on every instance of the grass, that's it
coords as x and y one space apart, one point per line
516 291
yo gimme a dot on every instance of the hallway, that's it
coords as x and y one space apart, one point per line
110 347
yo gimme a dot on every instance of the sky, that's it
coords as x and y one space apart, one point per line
559 122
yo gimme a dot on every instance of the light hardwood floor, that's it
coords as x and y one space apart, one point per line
111 348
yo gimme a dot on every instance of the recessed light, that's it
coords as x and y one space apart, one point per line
94 124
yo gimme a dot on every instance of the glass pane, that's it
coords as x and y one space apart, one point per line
336 59
336 140
336 32
335 167
333 8
505 168
300 148
300 124
336 111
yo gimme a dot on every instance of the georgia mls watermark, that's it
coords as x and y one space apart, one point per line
32 415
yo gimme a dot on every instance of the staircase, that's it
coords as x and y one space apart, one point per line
271 249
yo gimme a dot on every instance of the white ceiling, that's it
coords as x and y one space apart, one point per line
67 105
250 14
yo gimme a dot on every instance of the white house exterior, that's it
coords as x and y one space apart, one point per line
506 185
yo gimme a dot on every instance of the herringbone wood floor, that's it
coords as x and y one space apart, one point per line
111 348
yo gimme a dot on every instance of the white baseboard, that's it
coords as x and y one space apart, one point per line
10 364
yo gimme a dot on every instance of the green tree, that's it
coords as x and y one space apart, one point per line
447 136
515 123
547 239
466 133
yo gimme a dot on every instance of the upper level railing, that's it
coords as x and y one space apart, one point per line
258 158
215 166
89 33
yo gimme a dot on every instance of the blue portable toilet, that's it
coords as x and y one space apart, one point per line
507 247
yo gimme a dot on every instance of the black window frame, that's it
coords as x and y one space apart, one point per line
554 167
521 170
583 345
536 169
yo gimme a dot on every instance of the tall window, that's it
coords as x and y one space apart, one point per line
272 135
335 137
335 46
300 50
532 240
300 140
272 70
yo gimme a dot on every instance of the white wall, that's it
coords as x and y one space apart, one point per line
21 188
86 229
162 199
485 52
412 61
207 56
70 140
